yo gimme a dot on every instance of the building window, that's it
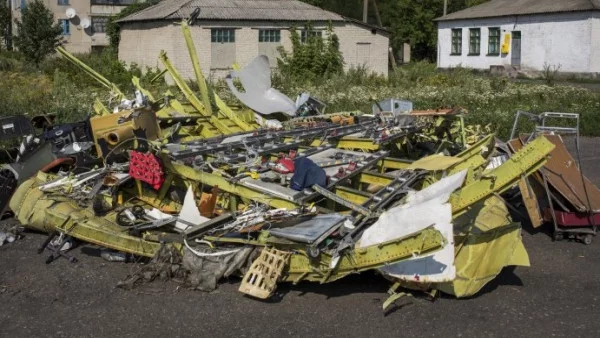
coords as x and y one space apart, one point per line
63 2
99 24
305 35
23 5
456 42
474 41
66 27
269 35
494 41
222 35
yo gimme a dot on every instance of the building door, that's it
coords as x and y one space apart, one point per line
515 51
363 55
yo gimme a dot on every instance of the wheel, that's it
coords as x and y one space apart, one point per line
558 236
313 252
587 239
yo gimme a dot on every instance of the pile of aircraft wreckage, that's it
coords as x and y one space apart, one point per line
215 191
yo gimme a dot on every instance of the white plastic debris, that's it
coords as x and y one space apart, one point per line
114 256
425 208
268 123
3 237
157 214
258 94
189 215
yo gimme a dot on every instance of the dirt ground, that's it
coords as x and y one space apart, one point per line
558 296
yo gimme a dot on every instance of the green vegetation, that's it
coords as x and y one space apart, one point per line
317 58
489 100
409 20
37 32
59 88
4 22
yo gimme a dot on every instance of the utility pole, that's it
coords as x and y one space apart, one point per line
380 23
445 7
365 10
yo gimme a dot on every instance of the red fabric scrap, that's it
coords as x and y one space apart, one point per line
146 168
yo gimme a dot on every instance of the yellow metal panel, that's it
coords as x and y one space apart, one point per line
357 260
369 177
358 143
393 164
224 185
525 162
435 162
485 243
351 195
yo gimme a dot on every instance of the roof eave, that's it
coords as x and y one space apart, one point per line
444 18
367 25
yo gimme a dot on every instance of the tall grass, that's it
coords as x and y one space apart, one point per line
489 100
57 87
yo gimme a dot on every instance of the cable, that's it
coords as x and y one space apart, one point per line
203 254
105 159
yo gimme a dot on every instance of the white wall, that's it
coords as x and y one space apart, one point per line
595 37
352 35
557 39
142 42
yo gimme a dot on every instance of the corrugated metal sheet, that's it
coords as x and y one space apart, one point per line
495 8
284 10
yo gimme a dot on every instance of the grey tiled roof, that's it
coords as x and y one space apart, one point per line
495 8
280 10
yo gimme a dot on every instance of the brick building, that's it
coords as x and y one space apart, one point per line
229 31
83 32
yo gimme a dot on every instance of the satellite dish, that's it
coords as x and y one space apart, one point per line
85 23
71 13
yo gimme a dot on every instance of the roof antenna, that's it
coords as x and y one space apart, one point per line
194 16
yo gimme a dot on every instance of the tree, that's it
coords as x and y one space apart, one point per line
113 31
37 32
409 20
4 23
471 3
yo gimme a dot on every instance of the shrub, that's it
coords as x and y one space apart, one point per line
313 59
550 73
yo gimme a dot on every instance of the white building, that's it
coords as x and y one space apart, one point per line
228 32
524 34
83 32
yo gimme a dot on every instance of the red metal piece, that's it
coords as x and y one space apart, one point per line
284 166
572 219
146 168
